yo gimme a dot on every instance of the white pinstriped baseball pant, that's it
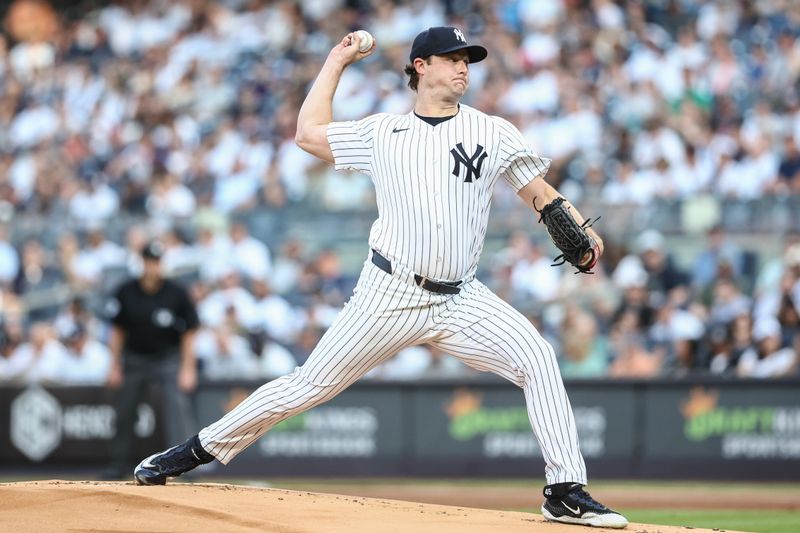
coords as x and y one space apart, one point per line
389 312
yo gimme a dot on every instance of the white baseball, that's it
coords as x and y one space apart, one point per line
365 40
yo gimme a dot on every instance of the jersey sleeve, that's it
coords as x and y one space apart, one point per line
351 143
519 165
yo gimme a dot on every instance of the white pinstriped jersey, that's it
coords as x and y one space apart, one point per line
434 184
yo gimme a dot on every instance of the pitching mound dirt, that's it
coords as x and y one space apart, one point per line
45 506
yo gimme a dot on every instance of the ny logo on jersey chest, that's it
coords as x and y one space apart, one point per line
472 163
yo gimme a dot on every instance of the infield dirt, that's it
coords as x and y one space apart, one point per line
92 506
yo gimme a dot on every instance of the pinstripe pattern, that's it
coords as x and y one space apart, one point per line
488 334
428 218
433 223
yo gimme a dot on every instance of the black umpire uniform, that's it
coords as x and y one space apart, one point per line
153 322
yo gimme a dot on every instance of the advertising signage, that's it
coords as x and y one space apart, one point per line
723 423
492 423
68 425
668 429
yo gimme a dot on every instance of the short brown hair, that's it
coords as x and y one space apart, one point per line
413 77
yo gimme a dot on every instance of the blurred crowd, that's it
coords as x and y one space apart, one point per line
181 114
647 316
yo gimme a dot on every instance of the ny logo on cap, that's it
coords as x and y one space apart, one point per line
472 163
459 35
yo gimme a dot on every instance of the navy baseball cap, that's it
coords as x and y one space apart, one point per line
441 40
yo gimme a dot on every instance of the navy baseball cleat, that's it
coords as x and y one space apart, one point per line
171 463
569 503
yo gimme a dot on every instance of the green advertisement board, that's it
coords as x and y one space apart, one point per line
489 423
723 423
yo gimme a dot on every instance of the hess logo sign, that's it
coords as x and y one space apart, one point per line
39 422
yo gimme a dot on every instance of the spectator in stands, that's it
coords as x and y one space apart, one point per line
532 275
100 251
93 203
333 285
88 361
719 251
170 199
585 352
628 344
768 357
224 354
180 258
663 276
228 299
38 275
81 273
501 269
772 270
727 302
214 249
788 311
273 314
694 174
345 191
678 333
249 256
275 359
738 339
307 338
789 318
789 168
9 259
77 315
631 358
40 360
10 339
635 304
8 369
288 266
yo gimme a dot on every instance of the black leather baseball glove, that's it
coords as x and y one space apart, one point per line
577 247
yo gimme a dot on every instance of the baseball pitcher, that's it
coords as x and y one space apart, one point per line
434 171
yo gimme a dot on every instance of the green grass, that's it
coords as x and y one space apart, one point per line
750 520
757 521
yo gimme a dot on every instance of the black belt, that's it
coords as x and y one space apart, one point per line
441 287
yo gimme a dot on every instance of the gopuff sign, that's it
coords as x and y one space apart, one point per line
39 422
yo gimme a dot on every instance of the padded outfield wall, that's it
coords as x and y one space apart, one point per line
628 429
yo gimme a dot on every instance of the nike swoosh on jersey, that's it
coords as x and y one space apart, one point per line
395 130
